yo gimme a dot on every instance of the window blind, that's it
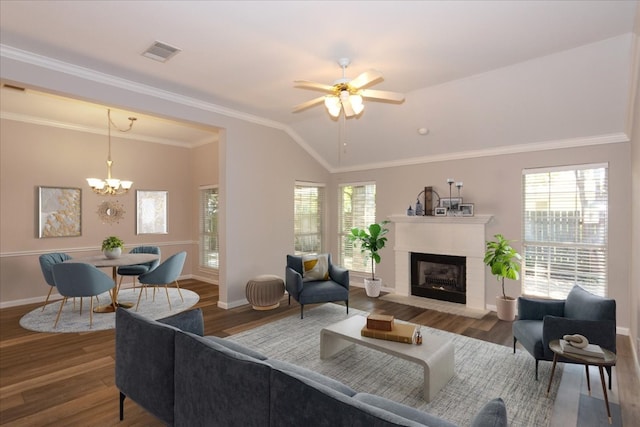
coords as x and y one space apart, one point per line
565 230
308 218
357 209
209 254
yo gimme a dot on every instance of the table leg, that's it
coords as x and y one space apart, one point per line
586 368
604 392
553 370
111 308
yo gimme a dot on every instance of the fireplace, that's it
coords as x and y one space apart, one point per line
441 277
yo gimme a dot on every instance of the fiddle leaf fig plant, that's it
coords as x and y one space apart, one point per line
111 243
370 240
503 260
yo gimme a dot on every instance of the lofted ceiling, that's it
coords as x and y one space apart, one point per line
245 56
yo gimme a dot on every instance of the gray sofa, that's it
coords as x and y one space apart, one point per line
185 379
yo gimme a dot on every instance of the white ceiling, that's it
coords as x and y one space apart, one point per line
245 55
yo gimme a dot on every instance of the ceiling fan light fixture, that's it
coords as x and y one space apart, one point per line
356 103
332 103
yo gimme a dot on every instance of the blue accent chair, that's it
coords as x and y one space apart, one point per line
334 289
166 273
138 269
47 261
542 321
77 279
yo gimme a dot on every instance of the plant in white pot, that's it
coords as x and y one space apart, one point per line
112 247
371 240
504 262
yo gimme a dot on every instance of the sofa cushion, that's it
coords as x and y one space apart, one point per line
403 410
493 414
188 321
218 386
315 267
319 378
237 347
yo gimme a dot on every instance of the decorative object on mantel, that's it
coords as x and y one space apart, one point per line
371 240
410 211
427 207
112 247
110 211
111 186
504 262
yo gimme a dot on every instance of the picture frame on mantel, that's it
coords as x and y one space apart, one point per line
466 209
440 211
450 202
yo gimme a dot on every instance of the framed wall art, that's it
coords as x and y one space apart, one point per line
59 212
466 209
151 212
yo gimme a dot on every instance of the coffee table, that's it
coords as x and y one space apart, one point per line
435 355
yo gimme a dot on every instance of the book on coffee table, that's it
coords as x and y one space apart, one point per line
592 350
400 332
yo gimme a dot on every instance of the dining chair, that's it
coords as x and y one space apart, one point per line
47 261
163 275
138 269
77 279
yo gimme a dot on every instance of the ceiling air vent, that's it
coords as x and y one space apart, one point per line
161 52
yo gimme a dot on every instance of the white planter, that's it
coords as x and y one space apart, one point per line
113 253
372 287
506 308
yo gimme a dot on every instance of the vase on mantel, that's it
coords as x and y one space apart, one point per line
113 253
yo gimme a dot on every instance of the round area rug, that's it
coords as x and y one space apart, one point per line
71 320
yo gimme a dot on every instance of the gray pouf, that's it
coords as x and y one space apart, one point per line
265 292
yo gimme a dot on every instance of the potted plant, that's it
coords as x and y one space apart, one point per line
371 240
112 247
504 262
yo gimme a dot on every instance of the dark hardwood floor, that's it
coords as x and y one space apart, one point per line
68 379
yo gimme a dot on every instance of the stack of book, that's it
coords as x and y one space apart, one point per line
384 327
591 350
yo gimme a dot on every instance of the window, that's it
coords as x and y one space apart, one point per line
209 227
357 209
308 218
565 230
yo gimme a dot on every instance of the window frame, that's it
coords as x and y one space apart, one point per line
348 256
321 216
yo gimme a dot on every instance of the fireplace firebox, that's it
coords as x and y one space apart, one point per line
441 277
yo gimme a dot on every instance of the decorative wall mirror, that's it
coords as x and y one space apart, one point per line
111 211
151 212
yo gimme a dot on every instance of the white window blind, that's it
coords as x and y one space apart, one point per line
357 209
209 227
308 218
565 226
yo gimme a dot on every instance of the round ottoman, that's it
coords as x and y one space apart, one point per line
265 292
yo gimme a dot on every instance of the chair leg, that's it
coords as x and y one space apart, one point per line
47 300
178 286
140 296
514 345
81 306
122 397
166 289
347 304
609 371
289 299
537 369
64 300
302 311
90 312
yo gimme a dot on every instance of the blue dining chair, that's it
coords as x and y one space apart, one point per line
77 279
138 269
163 275
47 261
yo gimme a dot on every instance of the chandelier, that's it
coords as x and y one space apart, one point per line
111 186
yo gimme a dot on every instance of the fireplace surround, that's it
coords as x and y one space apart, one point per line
455 236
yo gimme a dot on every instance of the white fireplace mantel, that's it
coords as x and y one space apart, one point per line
458 236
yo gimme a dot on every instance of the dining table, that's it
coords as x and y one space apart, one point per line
102 261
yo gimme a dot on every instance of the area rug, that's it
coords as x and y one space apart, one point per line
483 370
431 304
72 321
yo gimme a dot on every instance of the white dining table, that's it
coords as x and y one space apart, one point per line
102 261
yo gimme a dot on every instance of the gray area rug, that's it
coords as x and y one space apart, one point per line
483 370
71 320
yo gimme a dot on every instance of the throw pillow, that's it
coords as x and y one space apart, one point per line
315 267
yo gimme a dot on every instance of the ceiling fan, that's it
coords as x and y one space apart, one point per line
346 94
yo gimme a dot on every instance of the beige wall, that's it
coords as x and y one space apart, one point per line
493 184
634 294
33 155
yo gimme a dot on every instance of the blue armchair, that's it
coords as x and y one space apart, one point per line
336 288
542 321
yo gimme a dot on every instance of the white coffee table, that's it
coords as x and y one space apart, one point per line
435 354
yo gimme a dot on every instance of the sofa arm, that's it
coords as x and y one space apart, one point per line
339 275
493 414
536 309
415 415
293 282
188 321
600 332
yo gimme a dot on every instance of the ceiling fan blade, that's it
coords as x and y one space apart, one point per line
348 109
382 95
306 84
308 104
365 79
